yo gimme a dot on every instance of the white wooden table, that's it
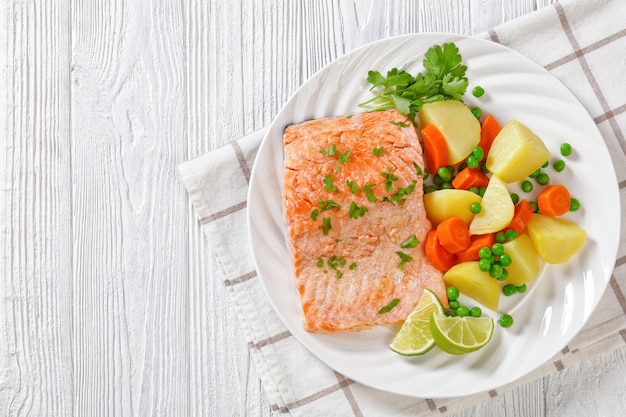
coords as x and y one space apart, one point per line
110 300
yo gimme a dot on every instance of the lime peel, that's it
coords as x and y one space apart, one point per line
460 335
414 337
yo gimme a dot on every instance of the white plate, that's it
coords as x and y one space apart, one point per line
559 301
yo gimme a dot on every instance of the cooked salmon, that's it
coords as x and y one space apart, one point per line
355 219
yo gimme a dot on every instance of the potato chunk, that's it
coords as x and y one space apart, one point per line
497 209
555 239
443 204
476 284
516 152
456 123
525 264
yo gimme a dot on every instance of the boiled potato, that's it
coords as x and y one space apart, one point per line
497 209
555 239
456 123
525 264
516 152
476 284
443 204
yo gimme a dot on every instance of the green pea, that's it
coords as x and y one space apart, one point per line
505 259
534 206
527 186
477 112
453 293
484 169
514 198
478 91
495 271
543 179
574 204
445 174
536 173
475 207
521 289
510 234
446 185
500 237
484 265
559 165
484 252
429 189
462 311
545 164
504 276
451 313
497 249
472 161
474 190
481 191
475 312
425 174
509 290
506 320
478 153
566 149
454 304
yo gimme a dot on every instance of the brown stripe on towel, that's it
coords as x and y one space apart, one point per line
493 35
240 279
590 48
617 290
224 213
432 406
610 114
313 397
269 340
345 386
559 365
245 169
591 79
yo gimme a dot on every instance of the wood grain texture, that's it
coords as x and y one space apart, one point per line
111 302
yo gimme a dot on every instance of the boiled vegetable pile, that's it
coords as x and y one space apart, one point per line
487 240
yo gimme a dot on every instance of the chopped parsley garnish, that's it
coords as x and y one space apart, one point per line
326 205
332 151
401 124
353 186
320 262
352 266
326 226
444 79
390 179
314 214
367 189
378 151
328 183
399 196
356 211
404 258
411 242
389 307
344 156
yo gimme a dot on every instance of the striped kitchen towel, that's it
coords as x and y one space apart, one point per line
583 43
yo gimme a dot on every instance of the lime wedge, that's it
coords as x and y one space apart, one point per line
414 336
459 335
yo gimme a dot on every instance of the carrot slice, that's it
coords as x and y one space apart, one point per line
453 234
521 216
554 200
436 254
436 154
478 241
470 177
488 133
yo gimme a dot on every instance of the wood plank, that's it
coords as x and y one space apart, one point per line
35 322
130 311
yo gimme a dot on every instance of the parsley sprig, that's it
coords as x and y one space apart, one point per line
443 79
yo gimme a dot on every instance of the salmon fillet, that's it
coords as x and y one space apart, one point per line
352 195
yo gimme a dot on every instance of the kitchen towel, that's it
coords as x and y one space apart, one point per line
583 43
